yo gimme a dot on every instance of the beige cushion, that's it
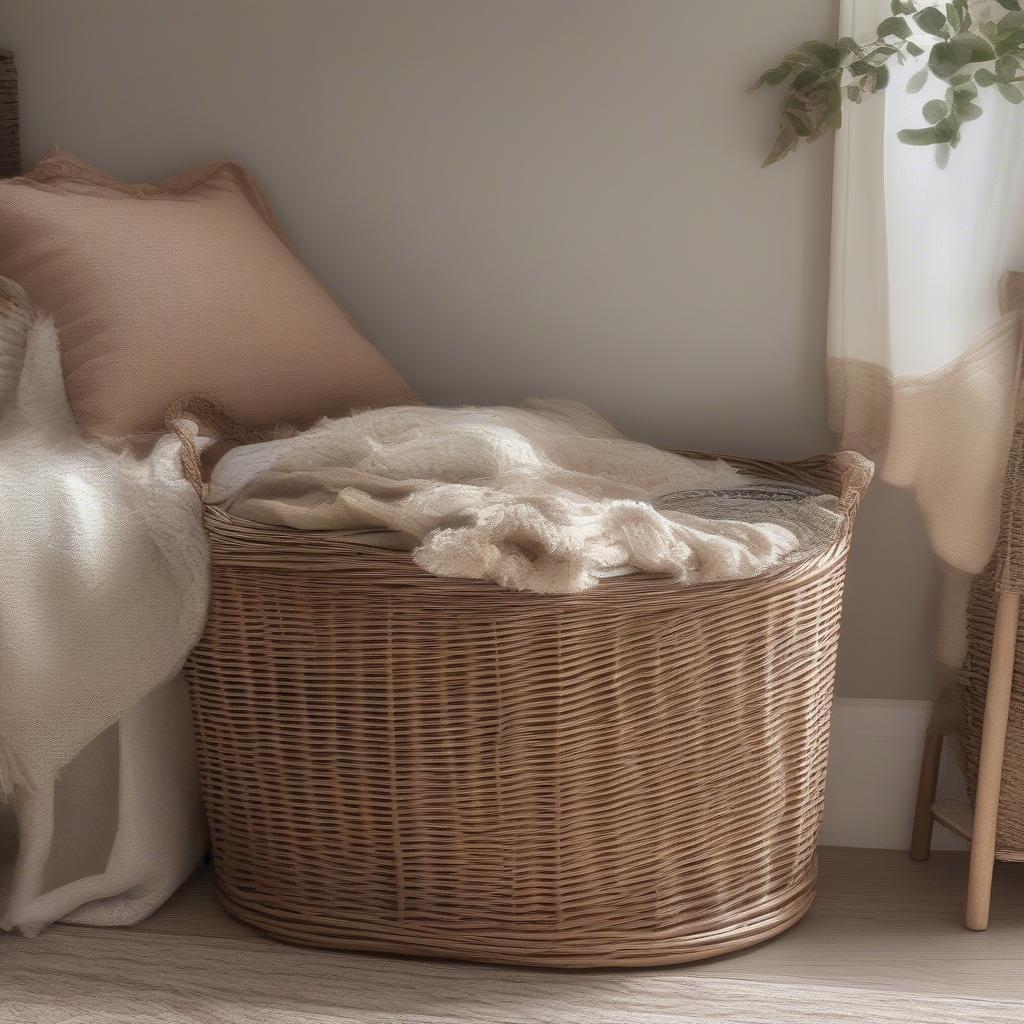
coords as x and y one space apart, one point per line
185 286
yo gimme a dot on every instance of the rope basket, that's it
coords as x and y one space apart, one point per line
402 763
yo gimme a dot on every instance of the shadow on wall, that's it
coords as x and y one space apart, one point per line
891 600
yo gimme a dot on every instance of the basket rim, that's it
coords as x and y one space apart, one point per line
243 544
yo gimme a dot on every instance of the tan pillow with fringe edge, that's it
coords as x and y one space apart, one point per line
183 286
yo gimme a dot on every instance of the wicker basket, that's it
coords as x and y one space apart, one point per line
10 149
1004 572
397 762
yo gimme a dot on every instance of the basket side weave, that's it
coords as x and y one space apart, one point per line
397 762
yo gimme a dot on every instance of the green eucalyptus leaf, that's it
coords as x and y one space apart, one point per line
934 111
827 56
1010 92
984 77
945 60
917 80
954 17
784 144
913 49
977 47
1011 21
973 48
936 135
833 120
895 26
876 81
800 123
903 7
1007 68
847 44
969 112
861 67
1009 42
775 76
932 21
806 78
1010 5
854 93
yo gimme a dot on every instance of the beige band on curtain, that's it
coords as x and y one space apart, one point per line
944 435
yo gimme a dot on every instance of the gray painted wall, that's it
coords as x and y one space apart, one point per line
514 198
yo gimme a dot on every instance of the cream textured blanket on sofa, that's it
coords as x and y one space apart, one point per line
548 498
103 592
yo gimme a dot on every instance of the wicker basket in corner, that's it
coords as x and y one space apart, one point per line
402 763
10 149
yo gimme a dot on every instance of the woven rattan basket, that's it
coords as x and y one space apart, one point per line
397 762
1003 574
10 149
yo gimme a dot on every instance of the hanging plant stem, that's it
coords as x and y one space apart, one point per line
968 55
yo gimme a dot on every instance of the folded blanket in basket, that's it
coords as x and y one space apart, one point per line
548 497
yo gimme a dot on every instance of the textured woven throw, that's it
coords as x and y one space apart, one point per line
547 498
103 564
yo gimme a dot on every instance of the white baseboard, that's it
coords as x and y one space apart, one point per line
872 776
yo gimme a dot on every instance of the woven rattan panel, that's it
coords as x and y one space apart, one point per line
1005 571
10 146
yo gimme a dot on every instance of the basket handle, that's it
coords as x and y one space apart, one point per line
193 415
854 473
191 467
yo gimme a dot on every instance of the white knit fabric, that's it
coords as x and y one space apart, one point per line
103 591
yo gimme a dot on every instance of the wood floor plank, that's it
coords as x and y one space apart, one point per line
882 921
884 943
150 977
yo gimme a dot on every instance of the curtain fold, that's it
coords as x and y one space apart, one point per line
922 364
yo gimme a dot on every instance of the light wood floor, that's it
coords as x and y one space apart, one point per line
881 924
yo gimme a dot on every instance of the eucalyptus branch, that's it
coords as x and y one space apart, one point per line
968 55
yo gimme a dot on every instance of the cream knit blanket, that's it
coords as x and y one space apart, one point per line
548 497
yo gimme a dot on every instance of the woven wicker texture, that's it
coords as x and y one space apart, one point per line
981 618
397 762
10 147
1005 571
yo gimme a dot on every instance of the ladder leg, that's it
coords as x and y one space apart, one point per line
990 764
921 840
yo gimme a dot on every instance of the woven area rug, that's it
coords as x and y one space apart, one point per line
112 976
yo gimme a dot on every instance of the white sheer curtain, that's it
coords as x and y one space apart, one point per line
922 364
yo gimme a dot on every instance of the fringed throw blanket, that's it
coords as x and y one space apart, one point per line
548 498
